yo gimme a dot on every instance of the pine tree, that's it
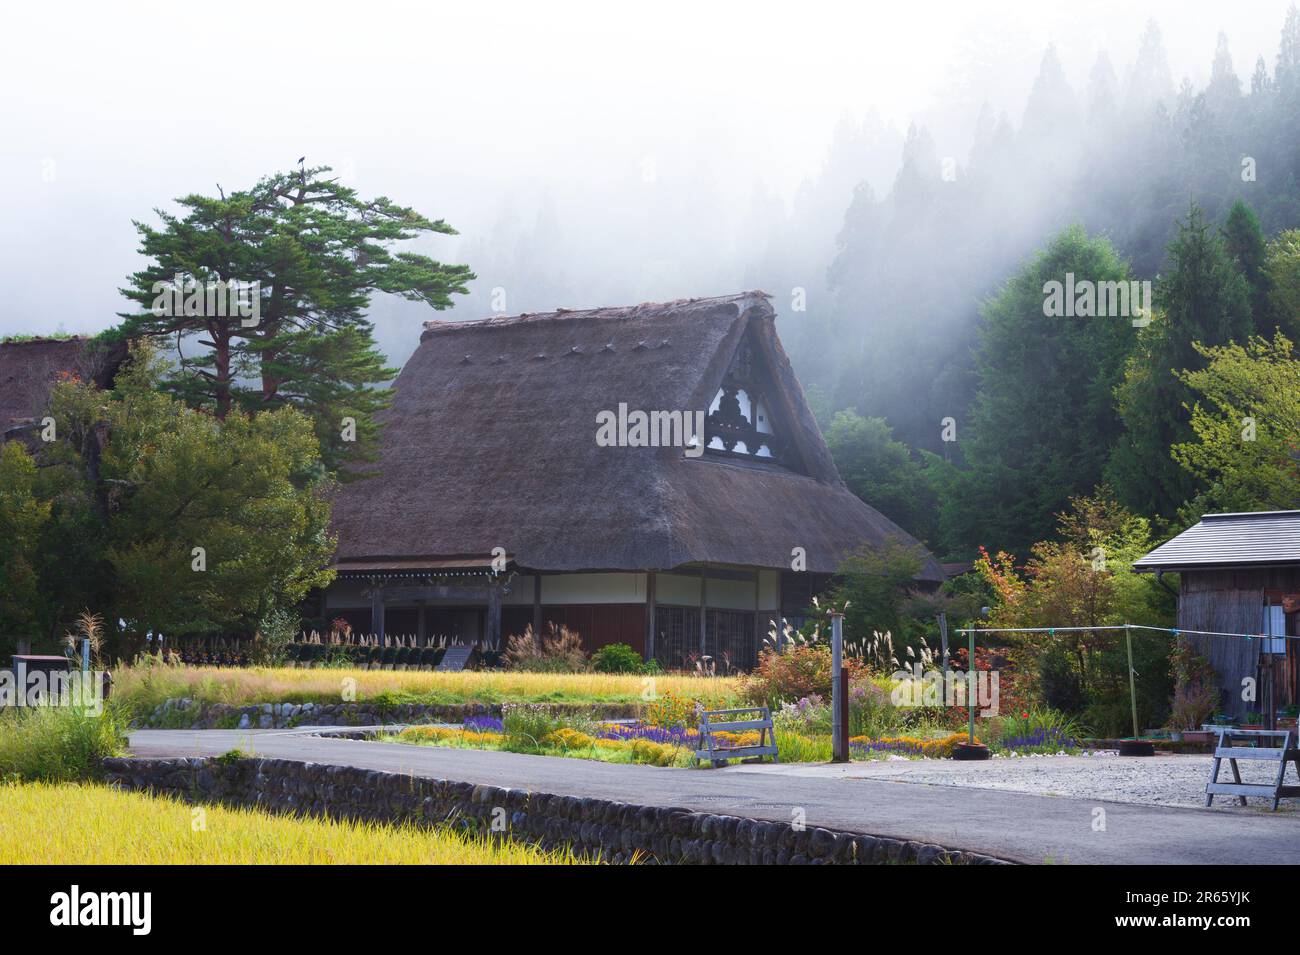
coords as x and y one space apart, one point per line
317 252
1052 108
1203 299
1287 73
1260 84
1044 404
1102 95
1150 81
1224 89
1244 240
1283 265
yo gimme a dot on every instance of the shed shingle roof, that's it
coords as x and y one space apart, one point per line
1263 538
490 442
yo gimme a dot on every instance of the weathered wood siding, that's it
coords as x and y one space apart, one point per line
1230 601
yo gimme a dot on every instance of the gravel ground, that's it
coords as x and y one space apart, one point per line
1151 781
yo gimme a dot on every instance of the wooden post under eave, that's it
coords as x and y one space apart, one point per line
704 603
377 610
537 604
493 641
650 615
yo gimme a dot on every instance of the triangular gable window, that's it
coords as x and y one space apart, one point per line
741 419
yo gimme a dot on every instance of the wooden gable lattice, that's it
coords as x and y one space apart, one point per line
743 420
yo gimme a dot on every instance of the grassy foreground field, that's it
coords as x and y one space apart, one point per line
99 825
144 688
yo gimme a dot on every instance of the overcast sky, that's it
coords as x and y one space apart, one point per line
466 111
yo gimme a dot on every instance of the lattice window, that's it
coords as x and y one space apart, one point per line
677 640
730 638
741 420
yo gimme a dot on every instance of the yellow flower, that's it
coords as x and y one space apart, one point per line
567 738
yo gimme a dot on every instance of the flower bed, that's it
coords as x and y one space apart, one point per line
934 748
532 729
666 736
609 742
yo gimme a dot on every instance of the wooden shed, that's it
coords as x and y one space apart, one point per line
31 367
1240 574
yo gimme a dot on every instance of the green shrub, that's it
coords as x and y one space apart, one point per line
230 757
58 743
797 748
667 711
526 727
1059 682
1038 730
617 658
797 672
276 632
871 710
810 716
1196 689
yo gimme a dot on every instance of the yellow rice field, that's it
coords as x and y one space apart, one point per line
241 686
99 825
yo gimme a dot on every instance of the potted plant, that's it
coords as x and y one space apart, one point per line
1253 720
1194 701
1196 696
1286 717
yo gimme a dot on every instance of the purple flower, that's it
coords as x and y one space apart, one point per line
1041 737
674 736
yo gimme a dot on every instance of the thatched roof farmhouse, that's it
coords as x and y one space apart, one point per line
491 448
30 368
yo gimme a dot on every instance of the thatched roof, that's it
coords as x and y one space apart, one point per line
29 368
490 442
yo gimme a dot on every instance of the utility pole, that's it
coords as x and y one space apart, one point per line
839 692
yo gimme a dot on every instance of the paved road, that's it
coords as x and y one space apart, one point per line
1027 828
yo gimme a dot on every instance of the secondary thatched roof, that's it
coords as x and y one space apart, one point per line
490 442
29 368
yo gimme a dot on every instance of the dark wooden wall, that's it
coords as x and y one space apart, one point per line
797 592
1230 601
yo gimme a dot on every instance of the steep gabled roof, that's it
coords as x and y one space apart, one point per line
491 442
29 369
1258 539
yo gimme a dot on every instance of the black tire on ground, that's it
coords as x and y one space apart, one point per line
965 751
1137 747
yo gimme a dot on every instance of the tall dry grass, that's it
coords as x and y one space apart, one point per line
144 688
58 743
104 826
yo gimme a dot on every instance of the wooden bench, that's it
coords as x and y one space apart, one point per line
1250 748
719 751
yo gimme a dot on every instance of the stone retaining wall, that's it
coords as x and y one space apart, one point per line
186 714
614 832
